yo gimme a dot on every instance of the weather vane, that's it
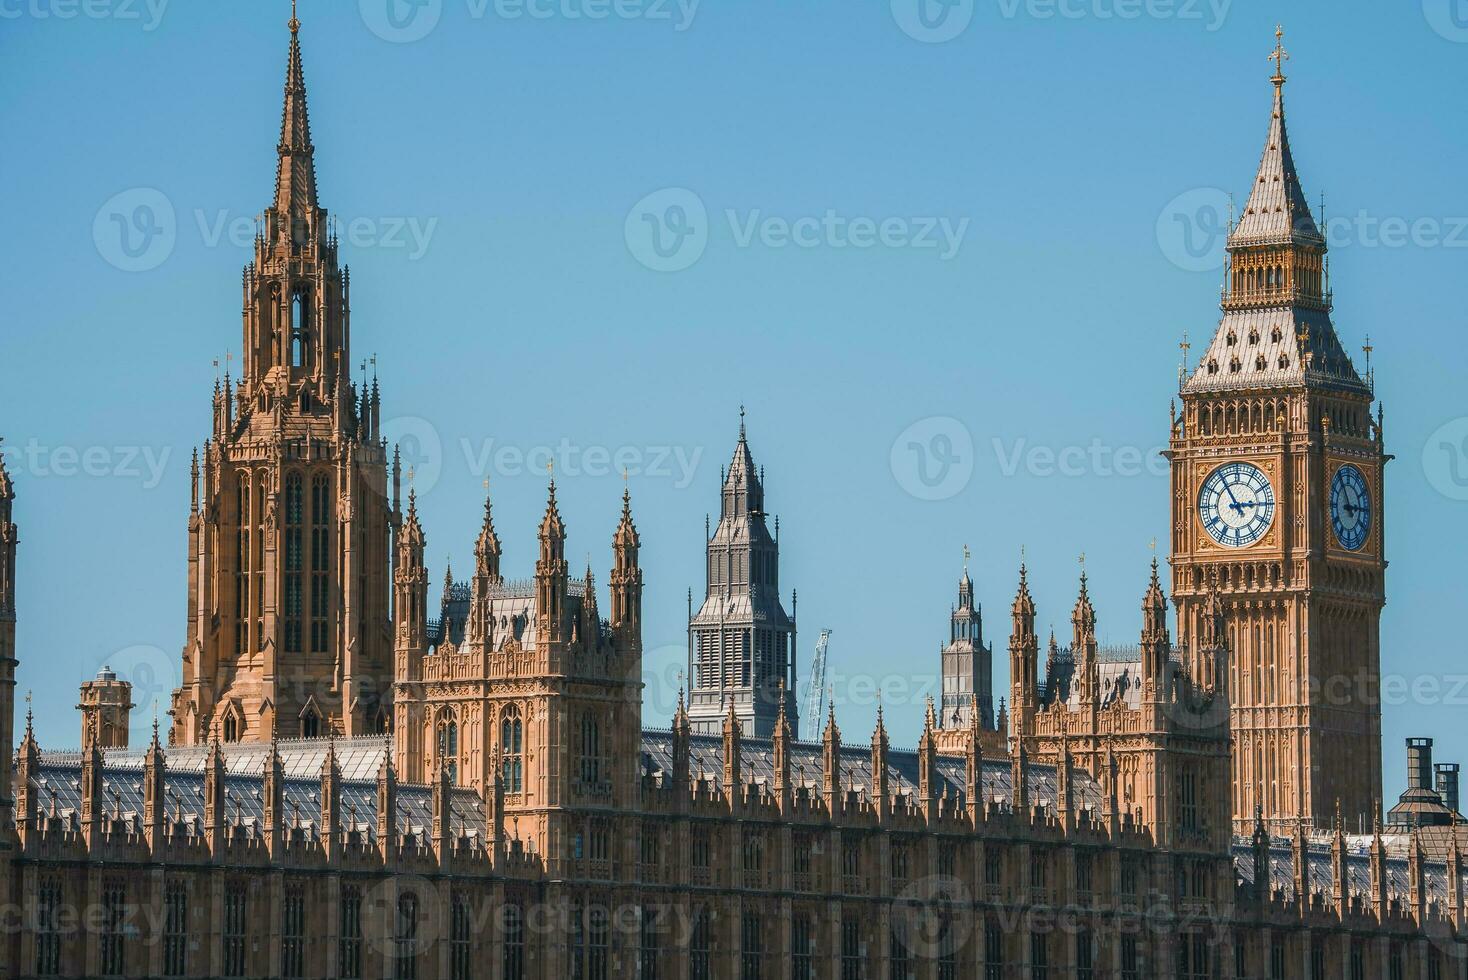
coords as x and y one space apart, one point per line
1279 56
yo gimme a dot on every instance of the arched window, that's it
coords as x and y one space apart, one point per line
700 946
405 938
298 331
448 747
512 750
294 510
590 749
321 515
231 728
311 723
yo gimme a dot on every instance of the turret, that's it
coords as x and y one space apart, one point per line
928 763
272 791
831 760
93 803
106 709
155 805
443 810
27 768
215 817
331 803
550 573
410 596
682 735
1024 659
974 765
780 749
387 807
1156 640
1083 621
486 576
627 579
881 746
1262 886
733 763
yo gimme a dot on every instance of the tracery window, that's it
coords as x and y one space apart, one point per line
405 938
590 749
294 559
321 516
512 750
448 747
114 927
234 928
293 931
349 956
48 928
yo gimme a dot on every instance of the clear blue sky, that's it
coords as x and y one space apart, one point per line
1064 148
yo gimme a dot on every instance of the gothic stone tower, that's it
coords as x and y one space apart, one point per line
968 664
1277 480
106 706
290 531
741 644
540 707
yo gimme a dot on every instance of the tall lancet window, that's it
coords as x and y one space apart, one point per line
448 748
320 561
294 507
512 748
590 749
298 330
242 564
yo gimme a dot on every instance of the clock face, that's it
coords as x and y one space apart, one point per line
1350 508
1237 505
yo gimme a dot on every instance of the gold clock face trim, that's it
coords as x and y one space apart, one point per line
1237 505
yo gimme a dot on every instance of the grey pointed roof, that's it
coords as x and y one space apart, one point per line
1277 211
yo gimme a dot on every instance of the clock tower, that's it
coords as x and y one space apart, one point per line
1277 487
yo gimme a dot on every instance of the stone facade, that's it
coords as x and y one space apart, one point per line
482 798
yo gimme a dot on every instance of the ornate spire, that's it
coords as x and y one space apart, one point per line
1277 212
295 178
487 548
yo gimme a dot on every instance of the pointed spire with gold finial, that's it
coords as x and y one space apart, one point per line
295 179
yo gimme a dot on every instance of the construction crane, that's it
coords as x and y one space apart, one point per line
811 717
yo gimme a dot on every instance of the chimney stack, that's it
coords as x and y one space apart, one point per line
1419 763
1447 784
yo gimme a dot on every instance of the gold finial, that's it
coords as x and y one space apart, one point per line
966 556
295 24
1279 56
412 472
1153 546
